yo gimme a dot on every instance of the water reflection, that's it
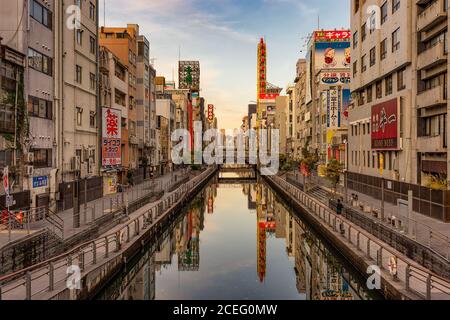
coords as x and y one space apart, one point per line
239 241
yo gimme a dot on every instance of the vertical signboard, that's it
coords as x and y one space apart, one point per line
210 112
333 109
385 125
189 75
111 137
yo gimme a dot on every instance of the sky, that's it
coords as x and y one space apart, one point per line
223 35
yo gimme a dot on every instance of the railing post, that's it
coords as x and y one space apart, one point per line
357 240
429 287
94 253
350 234
28 285
106 247
118 241
380 258
368 247
0 293
407 271
51 277
128 233
81 260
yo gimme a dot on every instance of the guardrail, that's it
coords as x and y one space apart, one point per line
411 276
46 276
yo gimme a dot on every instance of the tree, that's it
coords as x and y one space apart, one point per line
308 162
333 172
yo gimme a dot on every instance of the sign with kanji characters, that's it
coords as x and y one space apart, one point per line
335 78
111 137
385 125
332 35
333 109
211 113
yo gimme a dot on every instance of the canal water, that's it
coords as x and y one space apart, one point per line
239 241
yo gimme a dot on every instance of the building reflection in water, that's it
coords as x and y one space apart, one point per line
319 274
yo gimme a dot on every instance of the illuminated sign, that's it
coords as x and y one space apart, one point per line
332 35
385 126
111 137
189 75
210 112
333 109
334 78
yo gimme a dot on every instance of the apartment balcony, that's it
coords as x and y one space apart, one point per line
432 98
431 144
432 15
432 57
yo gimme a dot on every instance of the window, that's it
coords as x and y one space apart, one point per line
40 108
41 14
355 40
92 11
363 64
92 45
373 56
401 79
355 68
78 74
395 5
80 37
396 40
379 90
384 12
369 94
373 21
92 119
79 116
42 158
388 85
383 49
363 32
39 62
356 6
93 81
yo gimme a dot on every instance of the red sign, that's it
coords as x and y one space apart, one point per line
268 96
385 126
332 35
210 112
111 137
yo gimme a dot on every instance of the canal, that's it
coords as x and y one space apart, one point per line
238 241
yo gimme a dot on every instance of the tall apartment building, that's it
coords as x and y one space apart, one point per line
143 101
123 43
28 27
398 121
76 100
301 118
290 124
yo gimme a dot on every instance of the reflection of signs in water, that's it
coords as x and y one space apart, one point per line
385 120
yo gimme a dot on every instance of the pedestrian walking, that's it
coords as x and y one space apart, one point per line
339 208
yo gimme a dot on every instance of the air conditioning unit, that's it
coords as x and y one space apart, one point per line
30 157
29 170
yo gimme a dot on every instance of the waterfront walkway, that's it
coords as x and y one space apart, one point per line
97 209
427 231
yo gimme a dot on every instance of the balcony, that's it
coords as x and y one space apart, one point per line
431 144
431 16
432 98
432 57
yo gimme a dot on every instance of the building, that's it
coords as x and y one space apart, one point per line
398 120
166 116
123 43
281 108
28 28
328 91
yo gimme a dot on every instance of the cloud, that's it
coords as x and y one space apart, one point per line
302 6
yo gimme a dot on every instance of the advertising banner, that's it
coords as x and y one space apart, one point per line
385 125
332 35
346 102
210 112
332 55
189 75
334 78
111 137
333 109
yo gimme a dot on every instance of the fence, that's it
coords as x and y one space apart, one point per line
410 276
46 276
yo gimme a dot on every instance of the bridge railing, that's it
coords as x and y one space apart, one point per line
409 275
44 277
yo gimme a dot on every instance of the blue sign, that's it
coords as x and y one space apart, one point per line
39 182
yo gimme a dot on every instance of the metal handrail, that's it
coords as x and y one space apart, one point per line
429 280
106 242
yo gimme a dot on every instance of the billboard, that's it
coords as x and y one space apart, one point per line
332 35
189 75
334 77
210 112
111 137
332 55
333 109
346 102
385 125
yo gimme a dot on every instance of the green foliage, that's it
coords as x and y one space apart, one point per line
333 172
309 159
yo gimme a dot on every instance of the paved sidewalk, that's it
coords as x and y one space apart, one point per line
99 208
428 231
